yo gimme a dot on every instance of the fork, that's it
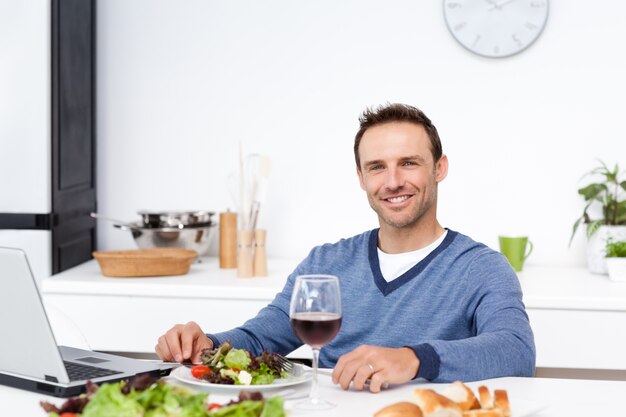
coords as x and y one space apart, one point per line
292 368
297 369
285 364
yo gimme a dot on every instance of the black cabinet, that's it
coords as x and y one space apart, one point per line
73 132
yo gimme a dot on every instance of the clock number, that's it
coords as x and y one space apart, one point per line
496 49
517 40
530 26
537 4
459 26
454 5
476 40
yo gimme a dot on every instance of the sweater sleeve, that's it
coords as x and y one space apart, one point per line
503 343
270 329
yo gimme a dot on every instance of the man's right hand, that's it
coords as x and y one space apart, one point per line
183 342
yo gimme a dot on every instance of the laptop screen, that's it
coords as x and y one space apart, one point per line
29 347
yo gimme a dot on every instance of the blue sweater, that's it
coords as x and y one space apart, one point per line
460 309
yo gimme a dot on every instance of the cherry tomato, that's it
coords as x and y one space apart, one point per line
214 406
68 415
199 371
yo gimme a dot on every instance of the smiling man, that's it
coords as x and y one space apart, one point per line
400 174
419 300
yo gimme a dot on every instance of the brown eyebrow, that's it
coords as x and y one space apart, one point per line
417 158
371 163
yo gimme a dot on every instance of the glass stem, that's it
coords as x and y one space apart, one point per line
314 397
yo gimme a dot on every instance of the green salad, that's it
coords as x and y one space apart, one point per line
144 397
226 365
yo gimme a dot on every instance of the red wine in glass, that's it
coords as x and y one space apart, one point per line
315 315
316 329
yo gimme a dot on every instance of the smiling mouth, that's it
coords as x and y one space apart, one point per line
398 199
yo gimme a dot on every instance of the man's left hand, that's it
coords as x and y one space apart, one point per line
379 364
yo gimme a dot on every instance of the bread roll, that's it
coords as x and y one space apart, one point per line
483 413
462 395
501 401
401 409
484 396
436 405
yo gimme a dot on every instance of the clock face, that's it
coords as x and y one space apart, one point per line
495 28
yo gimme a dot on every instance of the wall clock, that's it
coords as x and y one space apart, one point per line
495 28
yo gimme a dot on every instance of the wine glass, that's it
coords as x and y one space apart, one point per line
315 314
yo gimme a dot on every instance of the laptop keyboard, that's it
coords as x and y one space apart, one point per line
78 372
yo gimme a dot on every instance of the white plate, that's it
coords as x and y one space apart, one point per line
183 374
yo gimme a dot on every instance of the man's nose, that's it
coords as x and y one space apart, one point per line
394 179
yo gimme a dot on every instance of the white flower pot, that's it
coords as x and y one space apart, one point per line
617 268
596 247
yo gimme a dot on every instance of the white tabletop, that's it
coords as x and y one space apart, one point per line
558 397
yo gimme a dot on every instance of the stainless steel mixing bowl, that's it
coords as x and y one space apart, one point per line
190 237
160 219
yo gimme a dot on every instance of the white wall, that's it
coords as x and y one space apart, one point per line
180 83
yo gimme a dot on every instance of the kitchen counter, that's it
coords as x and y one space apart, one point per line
574 314
204 280
544 287
549 397
570 288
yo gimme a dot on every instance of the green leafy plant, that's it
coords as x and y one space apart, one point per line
609 193
615 249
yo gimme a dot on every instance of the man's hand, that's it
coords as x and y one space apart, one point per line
380 364
183 342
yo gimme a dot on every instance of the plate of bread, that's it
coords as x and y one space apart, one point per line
458 400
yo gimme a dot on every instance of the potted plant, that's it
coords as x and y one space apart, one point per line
616 259
609 193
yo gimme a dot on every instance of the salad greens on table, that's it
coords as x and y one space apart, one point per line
226 365
143 396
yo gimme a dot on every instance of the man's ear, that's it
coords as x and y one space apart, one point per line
360 175
441 169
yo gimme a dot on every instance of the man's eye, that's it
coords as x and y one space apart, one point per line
409 163
376 167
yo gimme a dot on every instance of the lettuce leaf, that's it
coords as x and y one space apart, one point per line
110 402
262 379
234 375
249 408
160 400
243 409
237 358
273 408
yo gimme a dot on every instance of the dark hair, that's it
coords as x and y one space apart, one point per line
396 112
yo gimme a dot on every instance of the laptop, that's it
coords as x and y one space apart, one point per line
29 356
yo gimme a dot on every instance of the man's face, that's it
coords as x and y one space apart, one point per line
398 173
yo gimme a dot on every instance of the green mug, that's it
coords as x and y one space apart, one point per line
516 250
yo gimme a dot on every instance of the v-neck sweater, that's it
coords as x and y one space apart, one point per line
460 309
